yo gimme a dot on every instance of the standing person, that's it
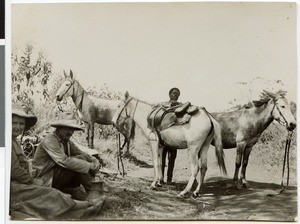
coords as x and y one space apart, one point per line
174 94
60 163
28 199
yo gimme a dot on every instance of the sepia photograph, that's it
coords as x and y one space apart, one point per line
152 111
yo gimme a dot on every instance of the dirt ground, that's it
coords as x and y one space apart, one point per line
130 198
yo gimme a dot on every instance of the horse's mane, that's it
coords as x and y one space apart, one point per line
264 98
132 132
142 101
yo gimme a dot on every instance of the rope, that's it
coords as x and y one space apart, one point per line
286 162
119 155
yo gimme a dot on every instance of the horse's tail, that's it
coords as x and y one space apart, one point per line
218 144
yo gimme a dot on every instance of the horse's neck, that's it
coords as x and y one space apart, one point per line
263 116
140 113
79 96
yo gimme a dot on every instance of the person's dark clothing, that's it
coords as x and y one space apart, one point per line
172 153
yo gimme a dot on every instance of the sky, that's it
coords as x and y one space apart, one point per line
204 49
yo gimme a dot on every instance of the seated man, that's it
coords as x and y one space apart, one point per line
60 163
28 198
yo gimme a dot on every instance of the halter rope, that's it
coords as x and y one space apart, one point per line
286 150
286 161
119 154
74 98
72 83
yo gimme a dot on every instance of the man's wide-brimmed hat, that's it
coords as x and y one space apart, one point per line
174 88
30 119
67 119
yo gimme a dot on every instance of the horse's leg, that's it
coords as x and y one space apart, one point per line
244 166
159 169
193 159
127 147
156 158
239 154
127 143
203 166
92 129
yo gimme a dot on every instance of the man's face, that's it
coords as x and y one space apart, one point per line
174 95
18 126
65 132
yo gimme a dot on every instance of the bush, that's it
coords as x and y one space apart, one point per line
271 146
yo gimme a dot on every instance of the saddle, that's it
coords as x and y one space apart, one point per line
161 118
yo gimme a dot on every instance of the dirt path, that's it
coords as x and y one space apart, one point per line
130 198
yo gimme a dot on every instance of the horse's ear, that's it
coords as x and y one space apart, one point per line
126 95
257 103
65 74
71 74
281 93
272 95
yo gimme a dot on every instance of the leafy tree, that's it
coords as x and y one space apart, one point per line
34 84
252 89
31 71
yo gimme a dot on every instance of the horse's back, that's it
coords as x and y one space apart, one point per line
197 128
238 126
102 110
230 126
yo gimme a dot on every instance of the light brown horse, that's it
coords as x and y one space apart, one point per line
242 128
93 110
195 136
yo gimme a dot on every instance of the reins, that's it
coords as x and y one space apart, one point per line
286 161
73 97
120 147
119 154
72 83
281 114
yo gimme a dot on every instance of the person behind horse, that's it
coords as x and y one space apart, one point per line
61 164
174 94
28 199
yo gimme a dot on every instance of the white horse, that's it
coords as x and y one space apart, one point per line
195 136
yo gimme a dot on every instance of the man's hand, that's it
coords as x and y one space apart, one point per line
95 167
38 182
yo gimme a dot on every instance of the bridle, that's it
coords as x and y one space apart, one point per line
279 111
287 147
72 84
73 95
120 147
125 109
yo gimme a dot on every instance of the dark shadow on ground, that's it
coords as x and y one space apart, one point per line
262 201
131 199
137 162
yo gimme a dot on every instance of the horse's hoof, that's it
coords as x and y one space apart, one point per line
153 188
238 186
246 184
126 154
195 195
181 195
159 184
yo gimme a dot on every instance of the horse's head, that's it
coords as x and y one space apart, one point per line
281 109
122 111
67 87
122 120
